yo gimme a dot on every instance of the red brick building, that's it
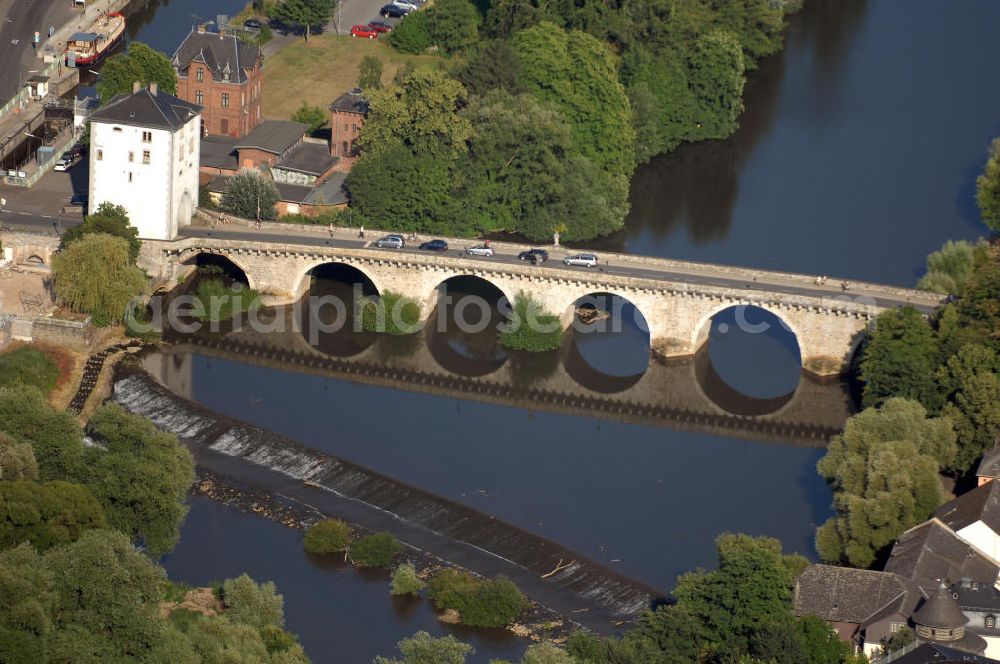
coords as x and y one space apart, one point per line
347 116
223 76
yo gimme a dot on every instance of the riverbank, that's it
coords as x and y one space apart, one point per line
580 590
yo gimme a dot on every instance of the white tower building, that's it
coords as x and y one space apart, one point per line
144 152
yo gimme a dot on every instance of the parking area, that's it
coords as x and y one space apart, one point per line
49 196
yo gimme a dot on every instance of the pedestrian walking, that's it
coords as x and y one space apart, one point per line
361 233
331 230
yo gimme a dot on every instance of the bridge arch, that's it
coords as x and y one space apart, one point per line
462 331
200 259
303 279
700 332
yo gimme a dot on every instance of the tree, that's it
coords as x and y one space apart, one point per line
141 476
46 515
494 66
546 653
453 25
976 315
405 581
314 116
899 359
377 550
96 275
716 75
255 604
412 35
26 600
28 366
17 460
304 14
751 588
757 24
883 470
54 436
988 188
578 75
422 648
971 385
140 63
664 109
674 631
422 112
327 536
950 268
479 602
250 195
370 73
110 219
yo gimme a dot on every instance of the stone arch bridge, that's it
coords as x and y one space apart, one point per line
677 299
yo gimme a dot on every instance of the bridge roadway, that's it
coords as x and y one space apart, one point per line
627 265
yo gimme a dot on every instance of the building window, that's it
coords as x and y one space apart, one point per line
145 156
991 622
116 129
225 100
345 126
147 137
224 126
131 157
895 627
100 155
344 149
199 97
201 74
354 127
130 176
191 144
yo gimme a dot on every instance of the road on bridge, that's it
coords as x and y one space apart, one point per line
692 273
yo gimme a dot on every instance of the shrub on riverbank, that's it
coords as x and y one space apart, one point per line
376 550
531 328
28 366
392 313
479 602
405 580
221 302
327 536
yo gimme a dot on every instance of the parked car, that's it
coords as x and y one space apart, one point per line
481 250
406 4
253 23
391 241
434 245
534 255
364 31
380 26
393 11
581 260
79 199
66 162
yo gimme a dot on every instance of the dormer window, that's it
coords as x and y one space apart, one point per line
200 75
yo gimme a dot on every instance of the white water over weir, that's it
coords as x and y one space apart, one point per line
583 591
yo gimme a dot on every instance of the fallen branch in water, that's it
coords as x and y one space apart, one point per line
559 567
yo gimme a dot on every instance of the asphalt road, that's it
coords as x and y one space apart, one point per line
21 18
37 222
720 280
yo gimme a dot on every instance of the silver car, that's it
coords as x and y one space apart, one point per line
481 250
391 241
581 260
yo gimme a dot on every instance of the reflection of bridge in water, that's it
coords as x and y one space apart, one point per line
683 394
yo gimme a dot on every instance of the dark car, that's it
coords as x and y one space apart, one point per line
393 11
434 245
380 26
253 23
534 255
79 199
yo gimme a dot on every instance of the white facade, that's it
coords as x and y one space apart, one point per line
151 172
983 538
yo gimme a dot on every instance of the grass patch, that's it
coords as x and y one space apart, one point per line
392 313
30 367
320 70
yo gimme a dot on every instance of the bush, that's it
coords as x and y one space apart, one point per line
405 581
479 602
28 366
412 34
392 313
223 302
376 550
531 328
250 603
327 536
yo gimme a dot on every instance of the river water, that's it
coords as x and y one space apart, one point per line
856 157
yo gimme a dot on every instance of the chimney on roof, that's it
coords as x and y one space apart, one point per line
136 86
153 88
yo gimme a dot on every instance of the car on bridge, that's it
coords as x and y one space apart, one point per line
434 245
581 260
536 256
392 241
481 250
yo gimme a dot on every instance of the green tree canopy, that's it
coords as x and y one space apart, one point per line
255 604
422 648
716 75
971 385
370 73
988 188
141 477
250 195
883 470
26 600
950 268
314 116
54 435
29 366
495 65
110 219
140 63
453 25
578 75
304 15
412 35
46 515
17 460
96 275
899 359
